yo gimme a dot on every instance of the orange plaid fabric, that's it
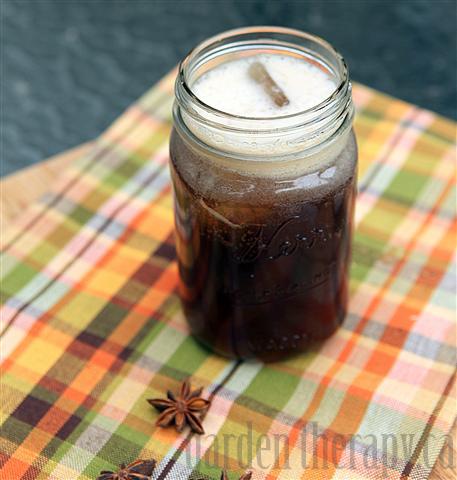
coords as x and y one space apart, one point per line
92 325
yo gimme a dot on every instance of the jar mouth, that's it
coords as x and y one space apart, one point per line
249 38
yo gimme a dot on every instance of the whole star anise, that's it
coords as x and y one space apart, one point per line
185 408
138 470
245 476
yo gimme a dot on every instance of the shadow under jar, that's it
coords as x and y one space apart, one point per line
263 204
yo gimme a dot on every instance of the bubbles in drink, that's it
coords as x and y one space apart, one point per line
261 263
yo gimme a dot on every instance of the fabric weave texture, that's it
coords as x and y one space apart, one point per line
92 325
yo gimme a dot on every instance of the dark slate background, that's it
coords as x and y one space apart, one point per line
69 67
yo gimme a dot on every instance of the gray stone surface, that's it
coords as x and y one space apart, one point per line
69 67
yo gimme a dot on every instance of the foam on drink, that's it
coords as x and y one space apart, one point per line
229 87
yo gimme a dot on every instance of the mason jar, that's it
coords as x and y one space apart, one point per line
263 206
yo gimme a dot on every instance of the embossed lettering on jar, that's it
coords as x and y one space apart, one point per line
263 204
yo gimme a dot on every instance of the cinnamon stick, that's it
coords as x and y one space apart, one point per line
259 73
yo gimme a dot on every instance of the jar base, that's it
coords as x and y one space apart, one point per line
267 356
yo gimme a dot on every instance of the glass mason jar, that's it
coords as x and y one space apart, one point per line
263 206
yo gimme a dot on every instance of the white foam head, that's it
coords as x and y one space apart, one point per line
229 87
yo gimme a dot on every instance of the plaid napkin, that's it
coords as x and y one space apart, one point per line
92 325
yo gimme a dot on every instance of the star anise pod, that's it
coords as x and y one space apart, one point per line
245 476
138 470
185 408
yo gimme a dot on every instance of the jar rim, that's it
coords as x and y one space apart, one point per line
185 94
